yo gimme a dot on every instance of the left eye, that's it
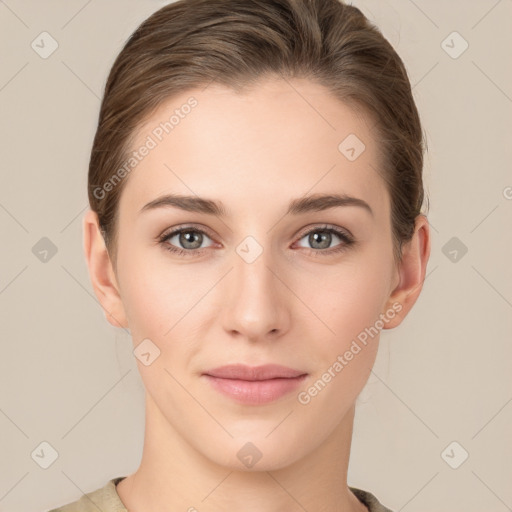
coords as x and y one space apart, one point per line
322 237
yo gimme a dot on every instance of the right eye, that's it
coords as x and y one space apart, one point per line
187 237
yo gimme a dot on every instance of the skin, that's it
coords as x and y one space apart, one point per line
293 305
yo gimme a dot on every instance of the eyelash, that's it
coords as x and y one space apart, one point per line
347 239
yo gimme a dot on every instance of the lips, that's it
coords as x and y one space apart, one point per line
254 373
254 385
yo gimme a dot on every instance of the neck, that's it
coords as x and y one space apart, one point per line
173 475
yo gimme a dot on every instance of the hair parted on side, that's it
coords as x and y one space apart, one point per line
192 43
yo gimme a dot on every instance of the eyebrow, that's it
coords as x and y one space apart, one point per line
311 203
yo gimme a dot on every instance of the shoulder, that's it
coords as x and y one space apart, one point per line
368 499
105 498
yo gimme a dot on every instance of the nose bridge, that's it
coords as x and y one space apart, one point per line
253 307
252 264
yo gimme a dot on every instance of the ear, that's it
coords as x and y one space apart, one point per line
101 272
411 273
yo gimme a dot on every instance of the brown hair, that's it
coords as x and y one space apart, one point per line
191 43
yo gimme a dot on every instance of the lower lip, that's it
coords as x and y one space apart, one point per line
255 392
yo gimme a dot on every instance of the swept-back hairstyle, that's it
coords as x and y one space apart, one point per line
191 43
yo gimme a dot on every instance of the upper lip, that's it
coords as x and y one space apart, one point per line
244 372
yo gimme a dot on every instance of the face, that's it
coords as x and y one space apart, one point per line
254 283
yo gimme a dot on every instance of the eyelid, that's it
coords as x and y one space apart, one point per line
185 227
206 231
313 227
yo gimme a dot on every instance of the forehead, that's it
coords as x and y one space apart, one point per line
286 135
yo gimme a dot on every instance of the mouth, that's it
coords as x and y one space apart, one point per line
255 385
254 373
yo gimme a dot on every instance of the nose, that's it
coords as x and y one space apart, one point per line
257 302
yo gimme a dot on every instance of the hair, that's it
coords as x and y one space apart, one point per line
235 43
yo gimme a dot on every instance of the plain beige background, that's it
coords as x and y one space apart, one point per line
69 379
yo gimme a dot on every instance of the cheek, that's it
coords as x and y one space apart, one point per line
348 307
151 296
348 300
155 293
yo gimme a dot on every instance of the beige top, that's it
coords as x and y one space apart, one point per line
106 499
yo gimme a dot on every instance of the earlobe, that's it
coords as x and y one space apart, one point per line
101 272
411 272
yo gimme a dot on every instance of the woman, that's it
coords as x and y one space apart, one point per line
255 186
